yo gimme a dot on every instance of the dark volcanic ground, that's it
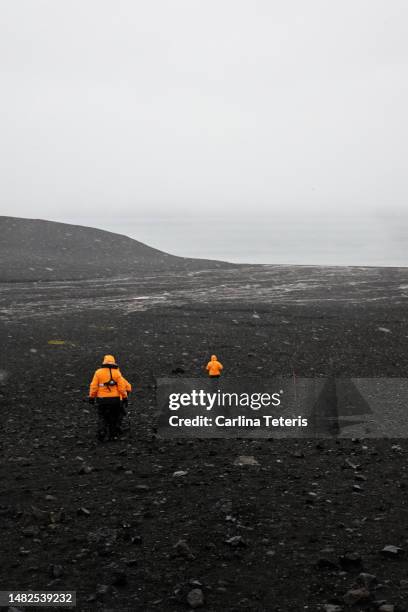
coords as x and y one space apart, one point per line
107 521
39 250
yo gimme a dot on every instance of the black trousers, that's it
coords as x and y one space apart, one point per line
109 413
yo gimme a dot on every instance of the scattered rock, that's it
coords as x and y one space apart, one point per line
367 580
102 590
353 466
392 551
332 608
357 488
195 598
38 514
85 469
235 541
56 571
182 548
84 511
57 517
355 596
246 460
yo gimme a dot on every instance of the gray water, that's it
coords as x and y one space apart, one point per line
298 238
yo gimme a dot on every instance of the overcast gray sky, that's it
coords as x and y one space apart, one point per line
146 115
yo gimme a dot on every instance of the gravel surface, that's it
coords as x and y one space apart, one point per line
301 525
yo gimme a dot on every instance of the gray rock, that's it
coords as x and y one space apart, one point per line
357 488
246 460
57 517
102 590
355 596
56 571
183 549
235 541
83 511
38 514
179 473
85 469
195 598
392 551
367 580
353 466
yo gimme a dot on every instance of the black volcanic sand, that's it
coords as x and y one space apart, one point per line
297 512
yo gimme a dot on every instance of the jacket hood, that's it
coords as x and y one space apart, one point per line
109 360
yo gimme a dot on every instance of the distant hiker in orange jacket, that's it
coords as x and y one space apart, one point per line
214 367
110 391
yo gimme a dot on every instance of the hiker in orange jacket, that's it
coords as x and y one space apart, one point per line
110 390
214 367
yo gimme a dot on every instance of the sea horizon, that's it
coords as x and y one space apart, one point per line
337 239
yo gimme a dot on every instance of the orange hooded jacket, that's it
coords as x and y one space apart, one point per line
109 371
214 367
127 384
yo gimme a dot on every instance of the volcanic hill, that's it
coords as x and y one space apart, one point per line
38 250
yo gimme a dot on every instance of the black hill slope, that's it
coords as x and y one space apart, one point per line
34 249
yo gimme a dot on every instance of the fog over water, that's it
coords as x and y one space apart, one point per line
246 130
298 238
